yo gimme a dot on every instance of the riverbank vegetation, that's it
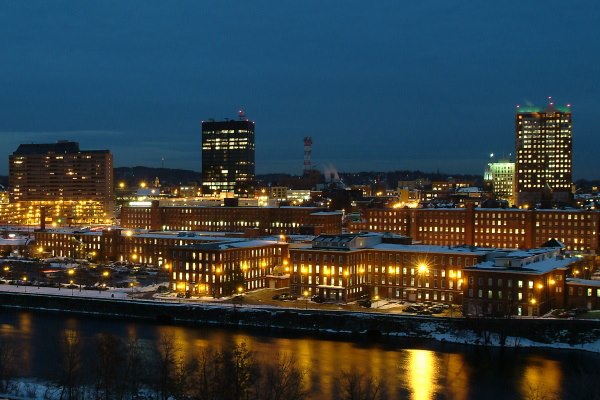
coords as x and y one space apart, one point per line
115 369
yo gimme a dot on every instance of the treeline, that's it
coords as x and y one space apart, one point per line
118 369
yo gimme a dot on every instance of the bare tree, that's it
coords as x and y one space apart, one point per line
108 363
133 372
228 374
71 364
208 381
7 366
282 381
357 385
172 373
242 369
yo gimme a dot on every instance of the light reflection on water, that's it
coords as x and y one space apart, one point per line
449 372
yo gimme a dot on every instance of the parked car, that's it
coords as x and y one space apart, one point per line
436 309
364 303
317 298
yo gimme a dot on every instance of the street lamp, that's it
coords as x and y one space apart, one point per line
25 283
423 269
105 275
306 299
72 286
347 276
533 302
240 290
216 286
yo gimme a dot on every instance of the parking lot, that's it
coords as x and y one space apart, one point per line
284 298
79 274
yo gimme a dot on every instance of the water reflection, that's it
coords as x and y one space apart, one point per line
541 378
417 373
420 368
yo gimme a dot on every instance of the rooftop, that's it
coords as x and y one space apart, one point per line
60 147
537 109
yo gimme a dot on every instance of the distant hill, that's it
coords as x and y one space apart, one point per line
167 177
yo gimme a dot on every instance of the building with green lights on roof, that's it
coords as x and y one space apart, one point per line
543 162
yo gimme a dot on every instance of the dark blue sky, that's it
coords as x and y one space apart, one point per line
393 85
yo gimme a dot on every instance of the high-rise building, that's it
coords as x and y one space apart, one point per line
72 185
500 177
543 154
228 157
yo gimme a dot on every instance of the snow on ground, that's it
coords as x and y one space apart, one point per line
436 330
115 293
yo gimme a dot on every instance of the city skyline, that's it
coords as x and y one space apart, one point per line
408 76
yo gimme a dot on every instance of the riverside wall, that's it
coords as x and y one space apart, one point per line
486 331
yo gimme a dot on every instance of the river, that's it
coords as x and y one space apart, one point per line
409 369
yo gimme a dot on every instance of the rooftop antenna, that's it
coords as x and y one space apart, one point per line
241 114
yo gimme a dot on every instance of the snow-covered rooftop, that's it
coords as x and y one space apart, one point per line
534 268
584 282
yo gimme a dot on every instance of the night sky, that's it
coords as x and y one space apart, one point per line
393 85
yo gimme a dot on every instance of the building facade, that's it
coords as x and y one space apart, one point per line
521 283
488 227
226 268
228 164
500 177
543 155
70 185
348 266
262 220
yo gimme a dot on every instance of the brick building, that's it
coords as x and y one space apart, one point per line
263 220
223 268
501 228
347 266
198 264
151 248
516 282
583 293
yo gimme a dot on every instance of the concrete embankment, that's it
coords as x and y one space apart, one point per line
494 332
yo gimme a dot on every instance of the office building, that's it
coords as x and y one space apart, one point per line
71 185
228 157
543 155
500 179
